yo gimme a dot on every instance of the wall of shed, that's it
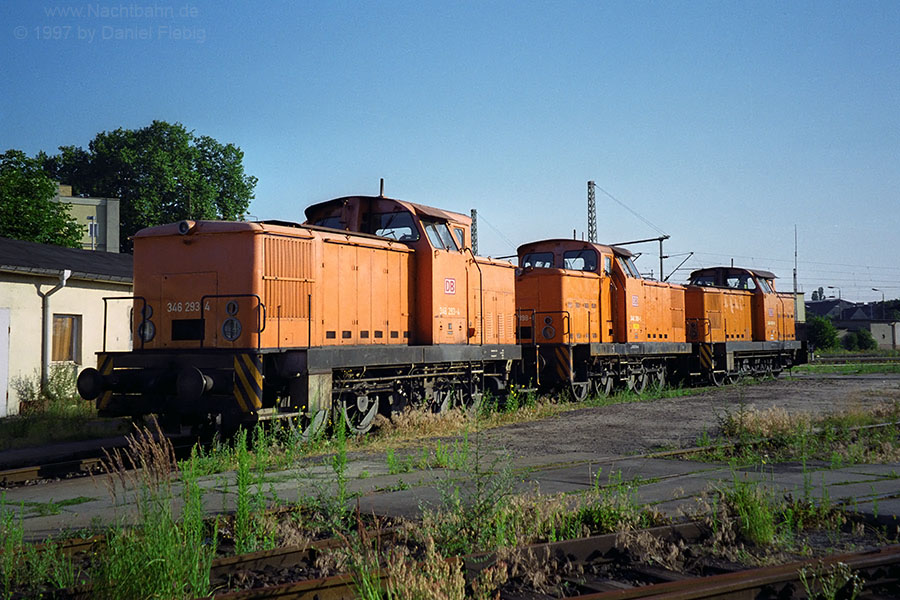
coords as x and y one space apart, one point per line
19 293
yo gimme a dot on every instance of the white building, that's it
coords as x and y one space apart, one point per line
52 310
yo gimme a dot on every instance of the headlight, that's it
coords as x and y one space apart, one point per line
146 330
231 329
548 332
232 307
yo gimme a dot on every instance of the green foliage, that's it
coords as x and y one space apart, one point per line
755 509
865 340
161 173
28 570
26 211
821 332
250 531
832 582
850 341
160 556
59 396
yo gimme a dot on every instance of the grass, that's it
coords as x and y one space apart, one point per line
57 414
54 508
848 368
160 556
752 436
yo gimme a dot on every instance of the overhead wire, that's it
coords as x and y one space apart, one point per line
628 208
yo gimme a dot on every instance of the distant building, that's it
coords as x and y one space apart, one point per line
849 316
100 216
52 308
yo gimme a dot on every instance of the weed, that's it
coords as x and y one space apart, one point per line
830 581
160 556
754 506
472 516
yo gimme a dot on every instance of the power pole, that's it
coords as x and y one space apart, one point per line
474 232
592 213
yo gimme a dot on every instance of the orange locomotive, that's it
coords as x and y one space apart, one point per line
588 320
740 325
371 305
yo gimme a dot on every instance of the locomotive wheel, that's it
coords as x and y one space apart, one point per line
580 390
470 399
358 411
604 384
717 378
310 425
638 382
445 399
660 378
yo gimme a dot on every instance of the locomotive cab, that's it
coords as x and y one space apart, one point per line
748 299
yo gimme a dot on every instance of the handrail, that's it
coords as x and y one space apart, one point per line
143 306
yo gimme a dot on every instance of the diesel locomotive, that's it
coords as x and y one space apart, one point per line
375 304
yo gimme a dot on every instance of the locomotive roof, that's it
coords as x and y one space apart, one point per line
418 209
757 272
617 250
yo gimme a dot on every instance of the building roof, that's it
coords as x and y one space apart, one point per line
45 259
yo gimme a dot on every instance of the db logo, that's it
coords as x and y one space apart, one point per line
449 286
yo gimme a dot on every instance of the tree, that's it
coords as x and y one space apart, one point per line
850 341
26 211
161 173
821 332
865 340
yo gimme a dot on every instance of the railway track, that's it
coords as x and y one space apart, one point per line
879 568
83 462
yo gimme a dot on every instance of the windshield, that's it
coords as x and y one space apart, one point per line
398 226
439 235
628 266
580 260
537 260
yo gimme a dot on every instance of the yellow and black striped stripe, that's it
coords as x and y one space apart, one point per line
706 356
563 363
105 367
248 381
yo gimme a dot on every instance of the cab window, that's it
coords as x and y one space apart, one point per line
628 266
766 286
439 235
704 280
740 282
580 260
332 222
537 260
460 234
396 226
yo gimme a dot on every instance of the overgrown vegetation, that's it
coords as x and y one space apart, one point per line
56 413
857 368
159 555
751 436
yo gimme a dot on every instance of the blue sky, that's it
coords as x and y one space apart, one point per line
724 124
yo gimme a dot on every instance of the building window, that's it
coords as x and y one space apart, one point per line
66 338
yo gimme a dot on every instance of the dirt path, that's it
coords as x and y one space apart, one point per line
678 422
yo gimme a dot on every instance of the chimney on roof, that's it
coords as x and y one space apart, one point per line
64 190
